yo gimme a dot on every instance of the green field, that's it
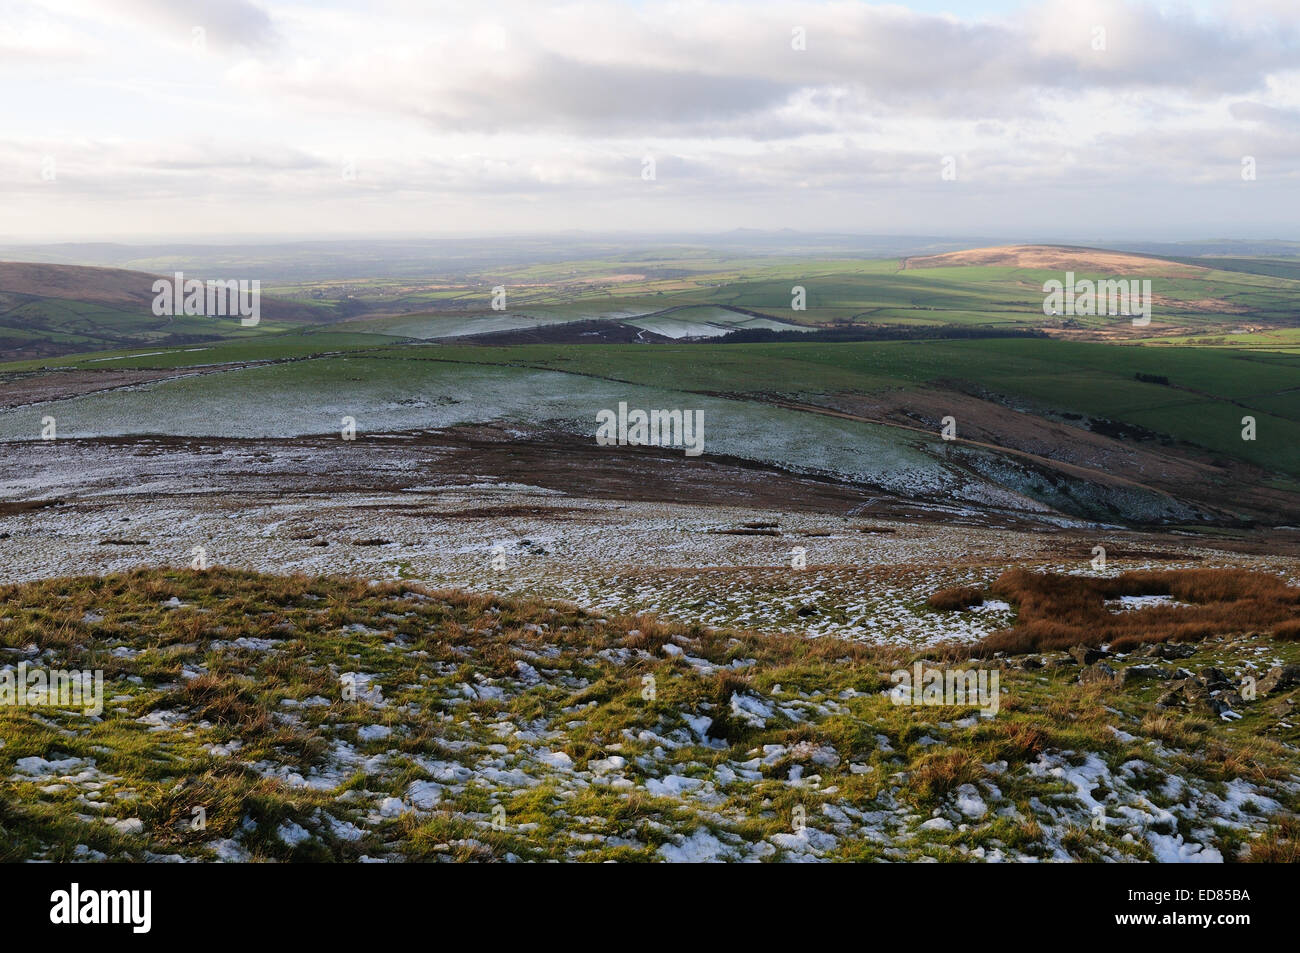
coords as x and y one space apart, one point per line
406 370
691 294
1208 393
837 291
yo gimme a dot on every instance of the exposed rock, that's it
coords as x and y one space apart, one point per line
1172 697
1138 672
1087 655
1101 672
1170 651
1279 677
1215 679
1216 705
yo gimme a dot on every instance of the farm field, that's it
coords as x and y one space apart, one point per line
695 294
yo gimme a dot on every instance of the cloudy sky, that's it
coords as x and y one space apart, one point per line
289 118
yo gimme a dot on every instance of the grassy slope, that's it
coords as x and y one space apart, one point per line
522 730
266 343
852 290
1210 392
1210 389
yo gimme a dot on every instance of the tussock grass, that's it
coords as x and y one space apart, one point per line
957 597
1280 845
940 773
1059 611
1288 631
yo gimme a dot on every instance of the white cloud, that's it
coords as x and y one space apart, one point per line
495 114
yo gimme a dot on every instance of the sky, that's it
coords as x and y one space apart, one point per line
1045 119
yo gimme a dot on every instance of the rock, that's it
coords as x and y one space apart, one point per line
1279 677
1172 697
1031 662
1170 651
807 610
1101 672
1189 689
1086 655
1139 672
1217 705
1061 661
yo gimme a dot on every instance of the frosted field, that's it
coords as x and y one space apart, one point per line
705 322
689 322
672 559
312 397
426 327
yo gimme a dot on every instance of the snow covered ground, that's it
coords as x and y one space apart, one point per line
864 579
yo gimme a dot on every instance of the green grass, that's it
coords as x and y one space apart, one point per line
837 291
1209 394
1216 379
195 722
266 343
1210 389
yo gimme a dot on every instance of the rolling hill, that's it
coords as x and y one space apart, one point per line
48 310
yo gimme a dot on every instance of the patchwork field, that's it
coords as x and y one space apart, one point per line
48 309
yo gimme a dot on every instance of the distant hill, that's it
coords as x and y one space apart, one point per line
116 287
49 309
1059 258
111 286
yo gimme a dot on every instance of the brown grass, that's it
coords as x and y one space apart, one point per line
1288 631
958 597
1278 846
1020 741
1057 258
1058 611
224 701
939 773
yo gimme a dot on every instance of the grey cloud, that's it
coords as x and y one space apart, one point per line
227 24
1269 115
861 64
594 96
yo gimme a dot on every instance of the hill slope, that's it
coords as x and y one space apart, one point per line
47 310
1058 258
